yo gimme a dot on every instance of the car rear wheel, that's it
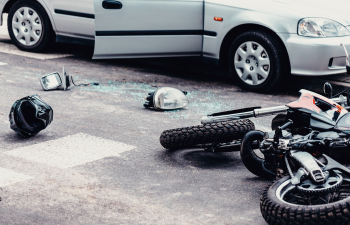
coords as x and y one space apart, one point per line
257 61
29 26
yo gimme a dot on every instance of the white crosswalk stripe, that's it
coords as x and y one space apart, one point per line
8 177
71 151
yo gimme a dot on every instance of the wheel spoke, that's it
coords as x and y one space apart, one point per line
34 36
36 27
242 53
33 17
258 51
16 25
19 35
254 78
264 61
239 64
27 38
249 48
26 13
262 72
19 16
244 75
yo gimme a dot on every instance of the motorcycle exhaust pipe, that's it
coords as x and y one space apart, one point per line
236 116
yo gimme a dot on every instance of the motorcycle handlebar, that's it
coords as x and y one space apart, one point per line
260 112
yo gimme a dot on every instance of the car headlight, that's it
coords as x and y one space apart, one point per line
320 27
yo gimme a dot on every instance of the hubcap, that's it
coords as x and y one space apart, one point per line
252 63
27 26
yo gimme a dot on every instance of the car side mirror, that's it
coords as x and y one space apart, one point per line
54 81
327 89
347 59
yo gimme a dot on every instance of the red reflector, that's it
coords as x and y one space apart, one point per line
218 19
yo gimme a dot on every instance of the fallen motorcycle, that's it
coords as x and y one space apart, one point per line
310 186
303 155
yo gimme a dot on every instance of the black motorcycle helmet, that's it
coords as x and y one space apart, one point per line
30 115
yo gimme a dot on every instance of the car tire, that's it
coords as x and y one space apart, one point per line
258 61
30 27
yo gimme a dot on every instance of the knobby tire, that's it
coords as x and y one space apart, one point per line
222 132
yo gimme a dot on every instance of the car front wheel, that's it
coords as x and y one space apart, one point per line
29 26
257 61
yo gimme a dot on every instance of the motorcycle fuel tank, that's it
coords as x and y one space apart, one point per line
343 123
324 113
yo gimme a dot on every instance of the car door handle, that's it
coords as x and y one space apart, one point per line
110 4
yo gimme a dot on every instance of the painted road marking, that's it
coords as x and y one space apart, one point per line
8 177
71 151
11 49
3 64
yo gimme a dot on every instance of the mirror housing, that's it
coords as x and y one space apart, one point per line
65 80
347 62
327 89
55 81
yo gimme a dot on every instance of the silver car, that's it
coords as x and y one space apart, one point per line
261 41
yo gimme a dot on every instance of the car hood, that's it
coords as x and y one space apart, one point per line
337 10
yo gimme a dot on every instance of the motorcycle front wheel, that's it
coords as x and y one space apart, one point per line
223 132
283 203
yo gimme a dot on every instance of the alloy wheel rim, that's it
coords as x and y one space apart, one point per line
252 63
27 26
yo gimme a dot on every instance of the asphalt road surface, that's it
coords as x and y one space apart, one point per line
100 161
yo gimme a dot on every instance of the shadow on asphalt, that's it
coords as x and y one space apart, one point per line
257 179
10 137
189 68
199 158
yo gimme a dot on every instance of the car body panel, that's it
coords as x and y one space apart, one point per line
168 28
282 18
2 5
72 25
311 56
337 10
233 17
161 28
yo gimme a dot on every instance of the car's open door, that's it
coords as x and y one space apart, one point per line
148 28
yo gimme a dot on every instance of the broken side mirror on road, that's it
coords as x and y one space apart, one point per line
55 81
166 98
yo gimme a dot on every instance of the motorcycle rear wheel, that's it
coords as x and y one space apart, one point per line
280 204
222 132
